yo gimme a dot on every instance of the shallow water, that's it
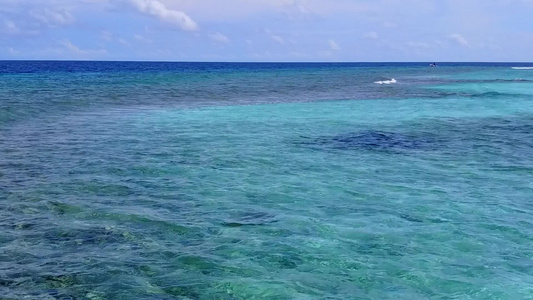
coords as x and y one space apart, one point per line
265 181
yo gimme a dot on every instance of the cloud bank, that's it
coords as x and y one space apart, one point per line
267 30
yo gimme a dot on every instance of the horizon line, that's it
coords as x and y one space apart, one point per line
256 62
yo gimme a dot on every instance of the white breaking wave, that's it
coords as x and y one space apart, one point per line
522 68
386 81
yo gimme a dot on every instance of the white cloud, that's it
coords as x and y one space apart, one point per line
274 37
12 51
53 18
278 39
459 39
141 38
333 45
110 37
159 10
73 49
297 11
219 38
106 35
33 17
371 35
300 8
383 27
123 42
11 28
390 25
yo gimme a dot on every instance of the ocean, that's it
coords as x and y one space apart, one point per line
146 180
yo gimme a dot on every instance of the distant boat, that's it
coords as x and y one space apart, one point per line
433 65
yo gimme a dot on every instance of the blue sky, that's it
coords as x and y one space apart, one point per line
267 30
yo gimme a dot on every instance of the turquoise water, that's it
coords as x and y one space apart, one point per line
265 181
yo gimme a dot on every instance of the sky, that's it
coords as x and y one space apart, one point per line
267 30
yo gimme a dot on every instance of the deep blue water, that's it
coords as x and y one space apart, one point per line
145 180
17 67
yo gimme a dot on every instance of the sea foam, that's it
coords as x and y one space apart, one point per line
386 81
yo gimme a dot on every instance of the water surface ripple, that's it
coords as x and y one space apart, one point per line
265 181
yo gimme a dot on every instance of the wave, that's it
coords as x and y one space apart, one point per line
493 80
386 81
508 80
522 68
492 94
